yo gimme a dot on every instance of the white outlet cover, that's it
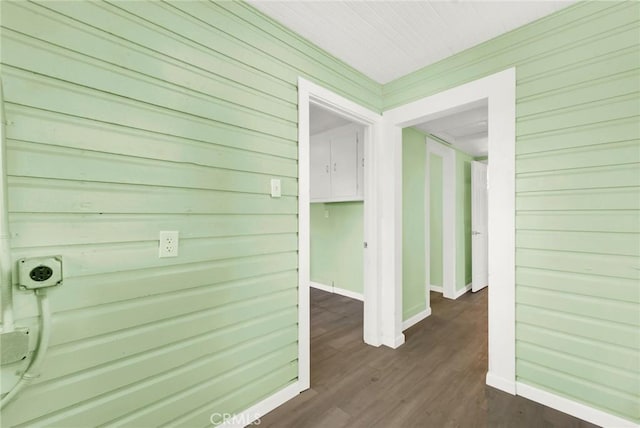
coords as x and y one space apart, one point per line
168 245
276 188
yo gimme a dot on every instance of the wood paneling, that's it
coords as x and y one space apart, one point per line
125 119
55 129
577 195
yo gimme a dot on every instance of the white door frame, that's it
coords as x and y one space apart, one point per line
310 93
499 91
448 156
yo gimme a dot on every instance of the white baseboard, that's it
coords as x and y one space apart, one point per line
416 319
501 383
572 408
399 341
252 414
327 288
463 291
337 290
393 342
438 289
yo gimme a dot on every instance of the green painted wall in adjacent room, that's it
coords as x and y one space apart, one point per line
413 223
413 218
337 236
463 219
436 193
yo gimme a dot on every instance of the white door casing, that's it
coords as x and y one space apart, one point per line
498 91
479 227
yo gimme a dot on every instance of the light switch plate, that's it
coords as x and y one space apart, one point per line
276 188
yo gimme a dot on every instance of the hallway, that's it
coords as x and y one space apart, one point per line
420 384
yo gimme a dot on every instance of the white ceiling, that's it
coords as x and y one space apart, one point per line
466 130
321 120
389 39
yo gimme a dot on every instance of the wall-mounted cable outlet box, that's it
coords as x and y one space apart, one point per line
39 272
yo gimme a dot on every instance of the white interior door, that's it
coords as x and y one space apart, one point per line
479 227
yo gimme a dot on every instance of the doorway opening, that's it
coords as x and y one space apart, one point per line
336 155
336 166
456 200
498 93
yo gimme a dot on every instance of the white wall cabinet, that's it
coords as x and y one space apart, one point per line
337 165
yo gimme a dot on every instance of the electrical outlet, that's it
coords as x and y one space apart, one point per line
39 272
168 244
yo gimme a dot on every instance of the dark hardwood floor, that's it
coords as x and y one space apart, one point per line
436 379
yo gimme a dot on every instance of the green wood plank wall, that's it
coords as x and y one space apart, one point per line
127 118
436 219
578 195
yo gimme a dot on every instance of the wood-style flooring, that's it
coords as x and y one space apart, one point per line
436 379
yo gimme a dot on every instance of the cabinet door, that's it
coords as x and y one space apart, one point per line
319 171
344 165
